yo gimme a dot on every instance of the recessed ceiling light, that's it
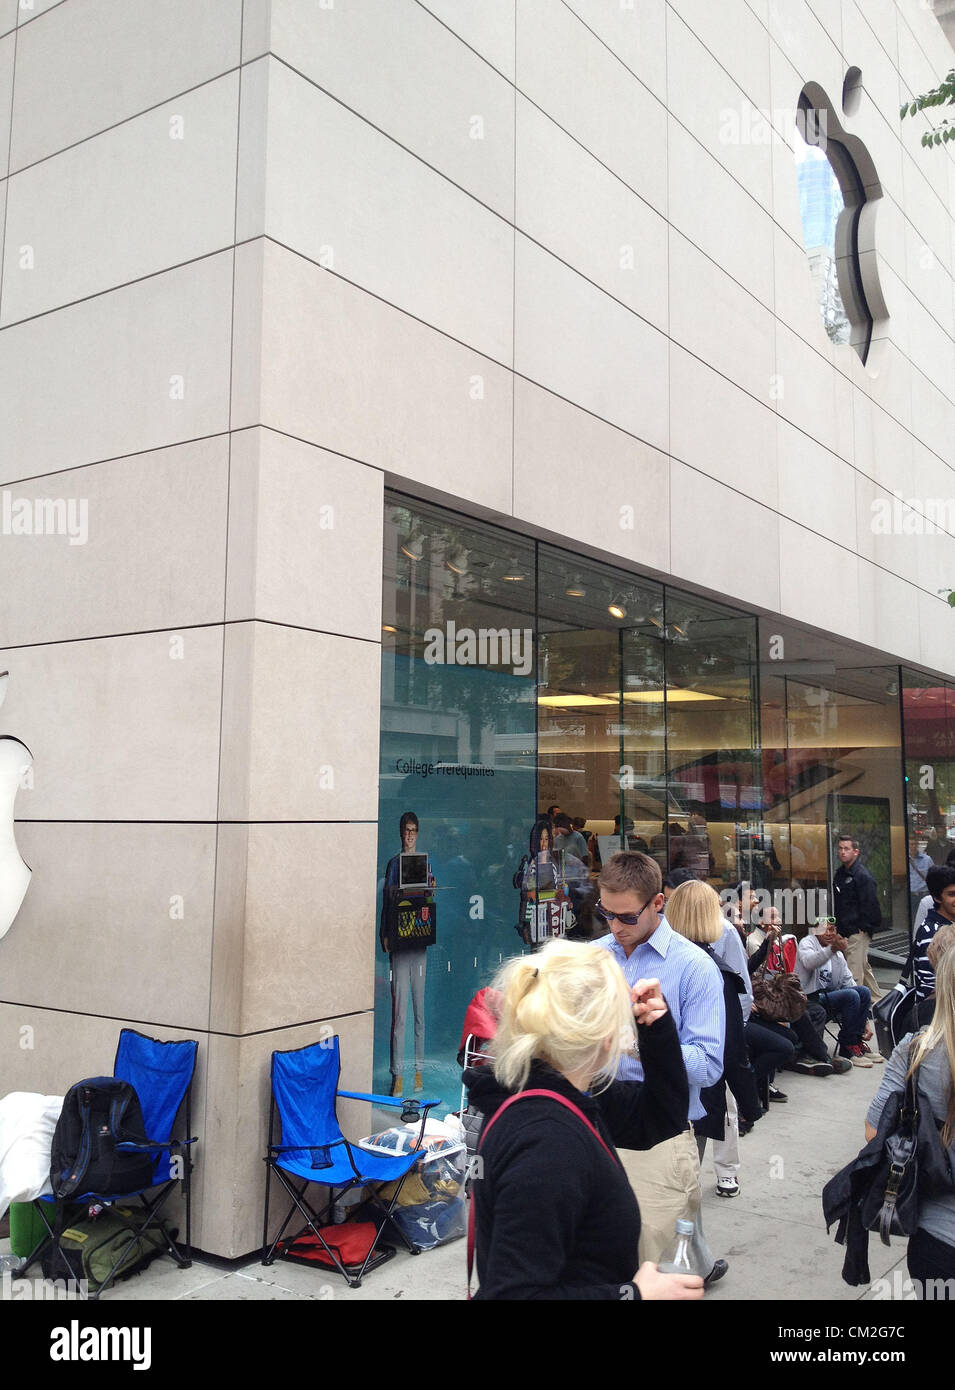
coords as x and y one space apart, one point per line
617 608
386 627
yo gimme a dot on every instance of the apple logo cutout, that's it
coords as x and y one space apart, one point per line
839 194
15 760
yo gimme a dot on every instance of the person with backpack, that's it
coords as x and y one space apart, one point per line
941 884
931 1251
554 1216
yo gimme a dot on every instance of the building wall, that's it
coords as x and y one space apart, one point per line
260 256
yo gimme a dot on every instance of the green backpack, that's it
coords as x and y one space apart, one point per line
93 1245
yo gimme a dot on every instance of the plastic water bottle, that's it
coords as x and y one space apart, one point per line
677 1259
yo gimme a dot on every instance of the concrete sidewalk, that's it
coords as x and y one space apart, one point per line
772 1234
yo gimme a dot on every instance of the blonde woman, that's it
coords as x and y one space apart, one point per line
554 1214
931 1253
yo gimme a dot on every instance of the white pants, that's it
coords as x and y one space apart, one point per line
726 1150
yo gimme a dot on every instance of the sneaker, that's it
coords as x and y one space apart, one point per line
808 1066
875 1057
727 1187
717 1272
840 1065
856 1056
776 1094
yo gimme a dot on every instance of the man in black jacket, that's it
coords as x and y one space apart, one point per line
858 915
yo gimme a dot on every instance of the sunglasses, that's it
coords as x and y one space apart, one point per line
626 919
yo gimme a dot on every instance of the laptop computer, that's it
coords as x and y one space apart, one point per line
413 871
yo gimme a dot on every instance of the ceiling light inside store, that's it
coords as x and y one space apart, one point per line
674 695
575 701
413 545
457 560
617 608
386 627
514 575
576 589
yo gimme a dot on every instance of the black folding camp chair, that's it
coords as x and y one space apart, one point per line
314 1150
161 1074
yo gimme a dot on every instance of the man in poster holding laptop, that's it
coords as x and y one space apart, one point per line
407 929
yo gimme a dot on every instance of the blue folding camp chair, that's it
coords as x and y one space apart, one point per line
305 1092
161 1074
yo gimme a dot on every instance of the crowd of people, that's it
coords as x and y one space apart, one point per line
632 1052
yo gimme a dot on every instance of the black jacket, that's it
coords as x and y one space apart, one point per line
555 1215
856 900
738 1073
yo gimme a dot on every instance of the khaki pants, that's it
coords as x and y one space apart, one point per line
666 1181
857 959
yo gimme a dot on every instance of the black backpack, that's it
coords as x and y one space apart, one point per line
97 1114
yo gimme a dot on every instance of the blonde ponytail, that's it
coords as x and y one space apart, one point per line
560 1006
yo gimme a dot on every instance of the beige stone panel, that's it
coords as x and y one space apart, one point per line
919 73
144 546
928 280
730 122
158 202
488 29
300 726
30 9
120 916
575 207
797 304
706 521
881 16
3 208
636 32
893 234
253 139
575 340
356 376
67 87
47 1051
924 208
807 388
819 581
879 534
898 298
721 430
932 350
105 721
796 30
401 70
760 9
864 35
141 368
304 957
718 216
7 47
569 74
816 488
936 632
237 1124
932 477
888 610
933 418
936 547
888 457
305 536
256 28
829 15
719 322
891 384
227 955
349 198
564 455
9 11
736 39
786 87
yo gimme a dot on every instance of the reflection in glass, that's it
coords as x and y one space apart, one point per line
820 206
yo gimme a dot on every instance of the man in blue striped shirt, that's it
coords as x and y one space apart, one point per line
666 1178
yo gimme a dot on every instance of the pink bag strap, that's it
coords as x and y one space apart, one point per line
568 1105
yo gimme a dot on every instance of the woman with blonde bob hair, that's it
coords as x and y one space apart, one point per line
931 1252
554 1213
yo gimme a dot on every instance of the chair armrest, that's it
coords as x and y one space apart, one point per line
129 1146
396 1102
297 1148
